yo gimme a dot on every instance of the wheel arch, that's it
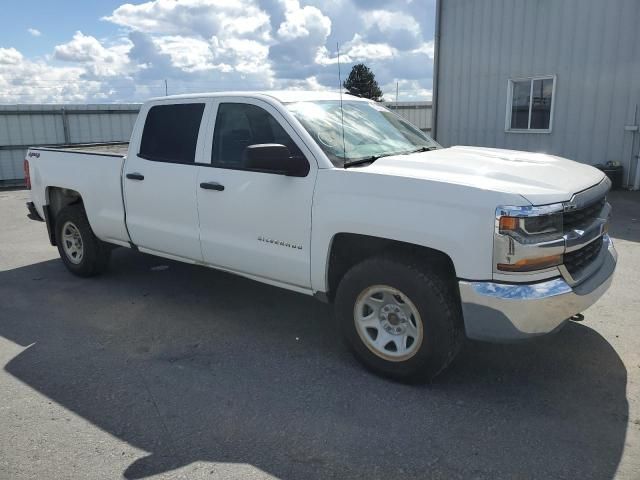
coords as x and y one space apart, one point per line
349 249
58 198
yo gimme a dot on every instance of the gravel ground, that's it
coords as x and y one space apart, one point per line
175 371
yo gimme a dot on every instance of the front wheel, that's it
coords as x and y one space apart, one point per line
81 251
399 317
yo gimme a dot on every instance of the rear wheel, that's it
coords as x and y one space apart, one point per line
81 251
400 318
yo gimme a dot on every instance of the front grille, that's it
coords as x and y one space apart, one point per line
584 216
578 259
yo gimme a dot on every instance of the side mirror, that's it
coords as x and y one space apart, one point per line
274 158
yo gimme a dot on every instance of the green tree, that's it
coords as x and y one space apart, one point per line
362 82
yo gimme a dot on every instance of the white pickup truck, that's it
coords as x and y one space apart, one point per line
416 245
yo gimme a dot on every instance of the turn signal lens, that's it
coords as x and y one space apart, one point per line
509 223
531 264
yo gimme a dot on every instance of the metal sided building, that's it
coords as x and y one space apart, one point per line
22 126
554 76
418 113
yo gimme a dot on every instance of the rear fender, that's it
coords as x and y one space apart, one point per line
57 199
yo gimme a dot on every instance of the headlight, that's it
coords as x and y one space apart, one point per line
528 239
532 229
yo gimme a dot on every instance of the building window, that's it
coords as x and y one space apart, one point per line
530 104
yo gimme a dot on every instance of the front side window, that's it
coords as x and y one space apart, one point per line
239 125
358 130
530 104
171 133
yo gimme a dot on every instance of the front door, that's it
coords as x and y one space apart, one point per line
252 222
160 181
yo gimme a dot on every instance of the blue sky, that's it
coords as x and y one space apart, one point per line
58 19
110 51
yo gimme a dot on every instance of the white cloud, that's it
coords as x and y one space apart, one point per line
187 53
199 36
358 50
389 21
10 56
426 48
200 45
303 22
36 81
300 39
245 56
100 60
203 18
83 48
34 32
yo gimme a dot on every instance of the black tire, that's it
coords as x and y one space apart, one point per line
429 292
95 253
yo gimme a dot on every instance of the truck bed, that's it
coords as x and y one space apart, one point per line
111 149
94 171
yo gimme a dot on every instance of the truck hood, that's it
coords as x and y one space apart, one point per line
538 177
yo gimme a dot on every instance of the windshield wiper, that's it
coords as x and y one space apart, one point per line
421 149
373 158
362 161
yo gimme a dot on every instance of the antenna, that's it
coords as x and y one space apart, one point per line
344 145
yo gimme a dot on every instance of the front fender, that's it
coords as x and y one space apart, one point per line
456 220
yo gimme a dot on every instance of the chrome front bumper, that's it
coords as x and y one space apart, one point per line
509 312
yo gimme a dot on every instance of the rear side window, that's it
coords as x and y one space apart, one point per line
171 133
239 125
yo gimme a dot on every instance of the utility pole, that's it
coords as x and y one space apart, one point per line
397 92
166 91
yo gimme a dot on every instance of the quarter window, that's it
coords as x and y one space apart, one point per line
530 105
171 132
239 125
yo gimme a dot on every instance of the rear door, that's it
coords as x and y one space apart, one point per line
255 223
160 180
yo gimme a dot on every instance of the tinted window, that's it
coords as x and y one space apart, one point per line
171 132
239 125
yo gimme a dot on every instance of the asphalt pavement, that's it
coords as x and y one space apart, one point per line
166 370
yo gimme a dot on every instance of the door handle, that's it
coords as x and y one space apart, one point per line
212 186
135 176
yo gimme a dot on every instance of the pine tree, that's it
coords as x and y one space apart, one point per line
362 82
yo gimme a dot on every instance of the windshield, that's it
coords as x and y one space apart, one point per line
370 130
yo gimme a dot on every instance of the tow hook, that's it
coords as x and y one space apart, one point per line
578 317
